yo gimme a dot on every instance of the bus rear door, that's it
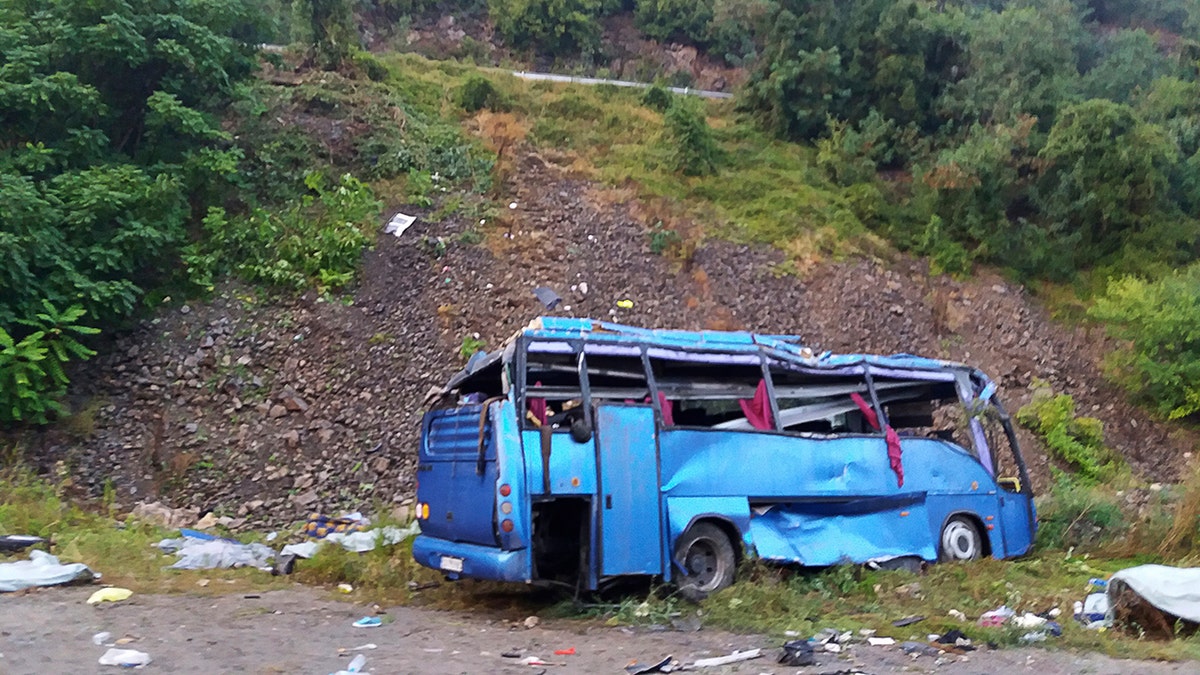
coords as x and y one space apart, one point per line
629 501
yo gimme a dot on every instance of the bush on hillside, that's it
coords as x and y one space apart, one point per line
695 150
1159 322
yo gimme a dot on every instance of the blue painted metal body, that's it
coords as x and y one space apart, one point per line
813 500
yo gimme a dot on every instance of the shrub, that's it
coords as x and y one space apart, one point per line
695 151
317 242
1160 322
1078 441
682 20
32 379
1079 514
657 97
478 93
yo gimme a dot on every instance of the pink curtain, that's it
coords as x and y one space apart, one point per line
758 409
537 406
893 446
893 438
867 411
668 414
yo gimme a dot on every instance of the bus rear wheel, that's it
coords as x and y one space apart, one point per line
707 560
960 540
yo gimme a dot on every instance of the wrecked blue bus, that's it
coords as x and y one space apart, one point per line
584 451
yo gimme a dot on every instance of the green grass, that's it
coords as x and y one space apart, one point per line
767 191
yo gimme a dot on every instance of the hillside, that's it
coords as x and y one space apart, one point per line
269 409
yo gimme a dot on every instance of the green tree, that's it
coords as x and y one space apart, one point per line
549 26
331 29
1107 178
694 150
1019 61
681 20
842 60
1130 60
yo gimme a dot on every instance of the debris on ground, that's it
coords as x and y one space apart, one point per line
920 648
534 661
996 617
956 614
201 551
908 621
1155 598
547 297
42 569
15 543
101 638
398 224
570 651
665 665
797 653
368 622
355 666
126 658
359 648
357 542
158 513
531 622
735 657
955 638
881 641
109 595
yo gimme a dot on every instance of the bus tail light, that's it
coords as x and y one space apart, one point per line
506 525
505 490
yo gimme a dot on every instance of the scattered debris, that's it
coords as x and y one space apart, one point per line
514 654
42 569
908 621
1155 598
158 513
957 639
359 648
547 297
14 543
920 648
726 660
666 665
398 224
416 586
797 653
345 588
109 595
833 647
355 666
358 542
996 617
368 622
531 622
201 551
957 615
102 638
534 661
126 658
570 651
880 641
625 304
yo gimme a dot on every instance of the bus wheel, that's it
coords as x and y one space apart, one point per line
960 540
707 559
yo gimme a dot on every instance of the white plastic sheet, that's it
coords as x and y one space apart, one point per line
206 554
358 542
1174 590
42 569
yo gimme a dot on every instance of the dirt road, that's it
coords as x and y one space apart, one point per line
301 631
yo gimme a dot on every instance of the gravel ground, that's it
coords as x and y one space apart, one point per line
301 631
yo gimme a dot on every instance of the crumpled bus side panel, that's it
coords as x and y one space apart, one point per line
825 500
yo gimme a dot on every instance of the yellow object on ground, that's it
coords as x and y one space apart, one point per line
109 595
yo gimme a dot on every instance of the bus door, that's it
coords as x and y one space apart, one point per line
628 500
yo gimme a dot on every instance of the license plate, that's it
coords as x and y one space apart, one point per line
451 564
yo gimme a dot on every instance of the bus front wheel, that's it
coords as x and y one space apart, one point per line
707 560
961 540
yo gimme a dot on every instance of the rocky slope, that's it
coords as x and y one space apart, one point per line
267 409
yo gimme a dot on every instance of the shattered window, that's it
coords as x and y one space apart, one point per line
711 390
553 395
818 403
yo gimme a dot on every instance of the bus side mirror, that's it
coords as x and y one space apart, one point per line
581 431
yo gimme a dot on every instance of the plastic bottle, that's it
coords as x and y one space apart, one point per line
356 664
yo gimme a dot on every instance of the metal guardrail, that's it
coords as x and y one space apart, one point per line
571 79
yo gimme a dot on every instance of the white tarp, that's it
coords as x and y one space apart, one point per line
206 554
42 569
358 542
1174 590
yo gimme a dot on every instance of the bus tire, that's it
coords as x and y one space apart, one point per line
960 540
706 559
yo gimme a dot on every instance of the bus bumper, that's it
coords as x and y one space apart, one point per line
457 560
